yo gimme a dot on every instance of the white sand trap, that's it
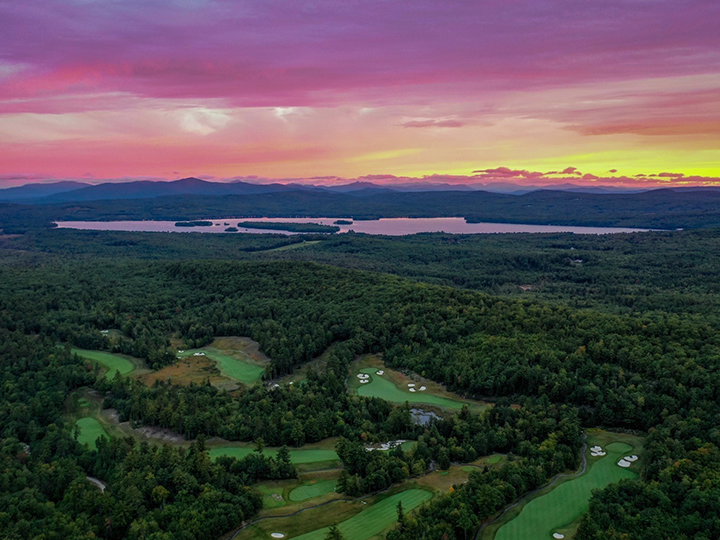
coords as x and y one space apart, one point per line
360 376
411 384
624 464
277 535
412 389
363 381
594 454
558 535
181 351
596 448
422 388
631 458
380 372
601 453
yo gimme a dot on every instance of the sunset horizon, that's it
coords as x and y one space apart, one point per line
290 91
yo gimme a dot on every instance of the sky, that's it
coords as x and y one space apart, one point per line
605 92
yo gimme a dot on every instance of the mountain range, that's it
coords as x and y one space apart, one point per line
71 191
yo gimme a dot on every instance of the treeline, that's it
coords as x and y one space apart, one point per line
286 415
546 439
661 209
632 273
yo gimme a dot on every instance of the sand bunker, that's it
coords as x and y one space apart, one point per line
631 458
411 384
412 389
277 535
422 388
380 372
558 535
596 448
364 381
363 376
624 464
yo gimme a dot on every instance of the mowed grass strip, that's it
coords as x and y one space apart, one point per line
90 430
375 519
297 455
312 490
385 389
543 516
113 362
232 368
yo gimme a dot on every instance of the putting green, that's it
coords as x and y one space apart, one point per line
244 372
383 388
312 489
375 519
90 430
543 516
297 455
114 363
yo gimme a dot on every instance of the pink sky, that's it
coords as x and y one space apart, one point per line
96 89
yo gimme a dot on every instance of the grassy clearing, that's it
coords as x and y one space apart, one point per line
296 245
558 508
237 358
90 430
316 453
114 363
191 369
312 489
375 519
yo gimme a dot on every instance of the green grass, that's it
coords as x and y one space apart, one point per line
312 489
494 458
90 430
238 370
385 389
562 505
375 519
297 455
270 501
113 362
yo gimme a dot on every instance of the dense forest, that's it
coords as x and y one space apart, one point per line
615 331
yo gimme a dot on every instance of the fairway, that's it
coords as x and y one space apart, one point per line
113 362
382 388
238 370
90 430
312 489
297 455
543 516
375 519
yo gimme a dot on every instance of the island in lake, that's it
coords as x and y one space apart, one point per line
343 222
194 224
292 227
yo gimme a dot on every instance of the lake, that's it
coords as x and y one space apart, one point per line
384 226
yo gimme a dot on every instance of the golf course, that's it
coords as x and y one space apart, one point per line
382 387
234 364
554 511
114 363
312 489
90 430
297 455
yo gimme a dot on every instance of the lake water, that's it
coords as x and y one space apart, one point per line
385 226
